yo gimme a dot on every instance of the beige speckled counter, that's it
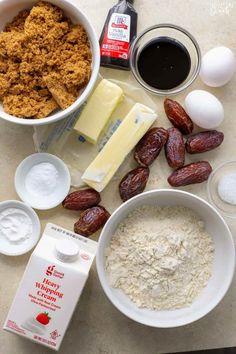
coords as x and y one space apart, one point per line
97 327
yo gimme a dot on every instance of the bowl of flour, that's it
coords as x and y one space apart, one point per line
165 258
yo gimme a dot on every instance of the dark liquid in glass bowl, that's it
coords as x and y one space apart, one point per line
164 63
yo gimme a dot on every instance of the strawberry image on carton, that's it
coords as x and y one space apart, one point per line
43 318
51 286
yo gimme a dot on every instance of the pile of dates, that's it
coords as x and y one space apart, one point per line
94 216
172 140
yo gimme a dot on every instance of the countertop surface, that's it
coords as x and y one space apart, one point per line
97 327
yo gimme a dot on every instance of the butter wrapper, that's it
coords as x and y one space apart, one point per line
62 140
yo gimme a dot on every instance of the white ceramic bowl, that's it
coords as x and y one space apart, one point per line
223 265
43 202
9 9
17 249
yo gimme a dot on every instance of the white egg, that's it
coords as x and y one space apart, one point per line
218 66
204 109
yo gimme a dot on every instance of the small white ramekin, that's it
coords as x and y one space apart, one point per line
43 202
226 209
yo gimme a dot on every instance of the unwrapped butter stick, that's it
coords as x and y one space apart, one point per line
131 130
98 110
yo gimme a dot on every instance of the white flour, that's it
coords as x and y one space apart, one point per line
160 257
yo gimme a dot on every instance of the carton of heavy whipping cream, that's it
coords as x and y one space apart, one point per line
51 286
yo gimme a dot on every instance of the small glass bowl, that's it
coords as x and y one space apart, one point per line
174 32
226 209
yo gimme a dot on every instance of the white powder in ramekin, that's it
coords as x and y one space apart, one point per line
42 179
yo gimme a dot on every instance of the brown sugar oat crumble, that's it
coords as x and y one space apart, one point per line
45 61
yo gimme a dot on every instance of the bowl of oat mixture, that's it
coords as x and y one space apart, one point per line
165 258
49 60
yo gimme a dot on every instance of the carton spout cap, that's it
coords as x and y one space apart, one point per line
66 250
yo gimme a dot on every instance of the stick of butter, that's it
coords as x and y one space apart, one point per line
131 130
98 110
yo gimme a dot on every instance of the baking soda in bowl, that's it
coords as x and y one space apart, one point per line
51 286
42 179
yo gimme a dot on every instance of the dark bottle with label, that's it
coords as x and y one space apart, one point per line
119 31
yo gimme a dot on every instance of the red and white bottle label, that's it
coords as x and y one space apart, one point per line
116 40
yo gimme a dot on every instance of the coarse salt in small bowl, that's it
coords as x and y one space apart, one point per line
42 181
216 196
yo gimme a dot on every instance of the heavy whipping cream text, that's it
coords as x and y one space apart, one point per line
49 290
